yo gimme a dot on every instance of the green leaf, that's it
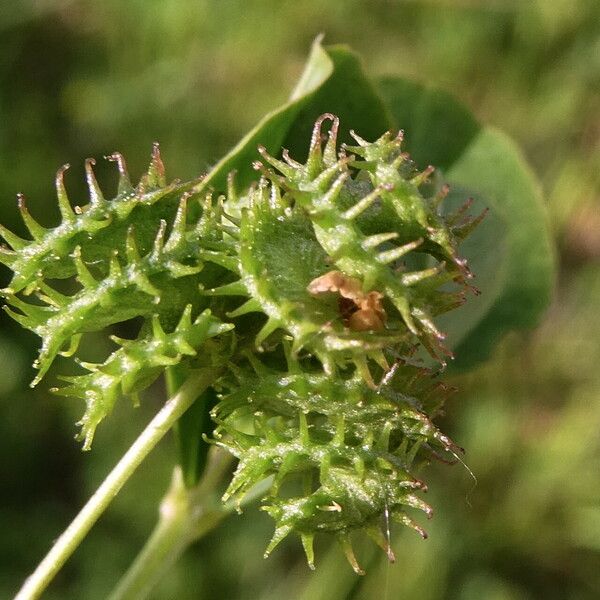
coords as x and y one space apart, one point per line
437 127
333 81
511 252
494 166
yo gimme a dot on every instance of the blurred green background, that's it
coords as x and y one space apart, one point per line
84 78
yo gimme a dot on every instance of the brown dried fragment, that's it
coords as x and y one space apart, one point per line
360 311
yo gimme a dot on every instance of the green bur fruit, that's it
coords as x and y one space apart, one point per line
133 257
278 258
368 219
347 449
135 365
341 265
368 215
96 227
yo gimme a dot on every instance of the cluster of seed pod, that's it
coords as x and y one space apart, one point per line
328 252
341 264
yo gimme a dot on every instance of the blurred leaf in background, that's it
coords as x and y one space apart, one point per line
83 78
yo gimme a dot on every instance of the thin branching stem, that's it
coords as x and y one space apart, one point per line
186 515
97 504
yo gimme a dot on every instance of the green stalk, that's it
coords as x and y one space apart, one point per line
186 515
70 539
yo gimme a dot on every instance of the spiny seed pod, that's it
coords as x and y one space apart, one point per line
136 256
352 447
296 224
126 291
97 228
367 227
134 366
279 256
116 283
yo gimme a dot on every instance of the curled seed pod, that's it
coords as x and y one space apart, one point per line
98 227
135 365
352 446
367 227
131 288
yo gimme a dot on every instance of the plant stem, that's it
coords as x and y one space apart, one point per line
167 541
97 504
186 515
